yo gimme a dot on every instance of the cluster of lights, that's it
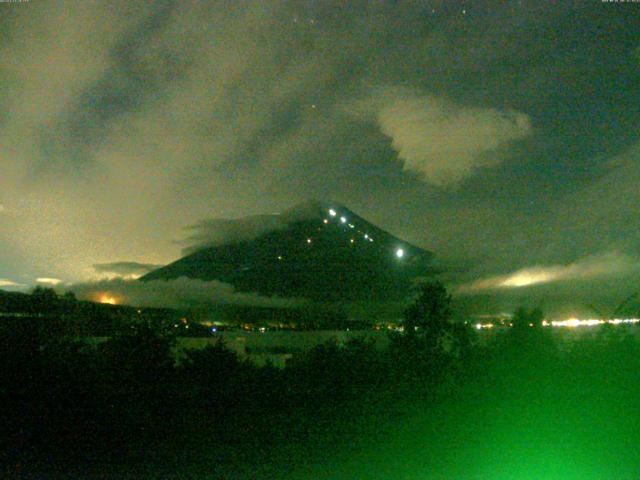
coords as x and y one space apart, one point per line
571 323
399 252
591 322
343 220
481 326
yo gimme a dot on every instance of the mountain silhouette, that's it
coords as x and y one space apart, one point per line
317 250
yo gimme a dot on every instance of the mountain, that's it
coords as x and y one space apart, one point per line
317 250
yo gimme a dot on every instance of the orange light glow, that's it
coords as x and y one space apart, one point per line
106 298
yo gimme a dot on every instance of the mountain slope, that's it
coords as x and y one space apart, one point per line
316 250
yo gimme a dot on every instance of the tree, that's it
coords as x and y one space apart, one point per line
430 314
70 297
45 300
527 332
523 319
520 319
536 316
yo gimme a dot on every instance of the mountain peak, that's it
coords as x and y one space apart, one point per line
317 249
310 209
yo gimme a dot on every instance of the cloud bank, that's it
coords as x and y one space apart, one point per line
179 293
588 268
48 280
214 232
125 269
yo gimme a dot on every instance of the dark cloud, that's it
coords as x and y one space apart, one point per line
125 268
219 231
213 232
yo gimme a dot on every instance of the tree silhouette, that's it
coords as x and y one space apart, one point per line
523 319
430 314
45 300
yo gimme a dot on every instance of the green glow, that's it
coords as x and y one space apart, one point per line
527 414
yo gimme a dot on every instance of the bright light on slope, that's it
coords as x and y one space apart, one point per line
400 253
332 212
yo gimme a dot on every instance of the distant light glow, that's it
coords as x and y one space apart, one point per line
332 212
325 221
400 253
366 236
591 322
343 219
308 240
351 225
108 299
570 323
352 240
527 278
481 326
588 267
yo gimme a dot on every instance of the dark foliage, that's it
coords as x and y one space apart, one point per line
72 409
128 409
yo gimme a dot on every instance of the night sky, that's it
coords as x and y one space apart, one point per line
505 139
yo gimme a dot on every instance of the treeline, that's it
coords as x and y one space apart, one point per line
125 409
87 318
125 404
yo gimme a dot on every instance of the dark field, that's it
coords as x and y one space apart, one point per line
520 407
